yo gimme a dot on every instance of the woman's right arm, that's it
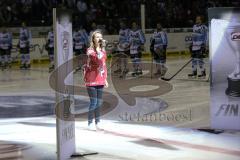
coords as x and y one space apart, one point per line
92 59
95 59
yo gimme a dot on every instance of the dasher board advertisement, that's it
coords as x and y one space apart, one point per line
225 68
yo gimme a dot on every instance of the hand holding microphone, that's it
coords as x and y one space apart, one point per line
102 42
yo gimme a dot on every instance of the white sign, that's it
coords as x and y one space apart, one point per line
225 81
63 53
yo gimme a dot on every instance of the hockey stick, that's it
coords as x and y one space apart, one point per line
113 63
208 80
168 79
152 67
117 59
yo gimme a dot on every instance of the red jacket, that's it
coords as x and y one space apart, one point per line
95 71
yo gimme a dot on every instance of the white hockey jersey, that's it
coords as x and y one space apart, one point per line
199 36
25 38
80 39
136 39
160 39
124 39
5 40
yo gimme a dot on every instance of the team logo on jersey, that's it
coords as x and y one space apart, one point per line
235 36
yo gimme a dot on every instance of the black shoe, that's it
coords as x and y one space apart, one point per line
76 70
118 71
139 72
27 66
203 75
9 65
22 66
79 69
125 71
157 74
194 74
164 71
4 66
134 74
51 68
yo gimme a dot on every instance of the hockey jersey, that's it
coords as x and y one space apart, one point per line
80 39
50 39
199 36
136 39
123 40
25 38
5 40
160 39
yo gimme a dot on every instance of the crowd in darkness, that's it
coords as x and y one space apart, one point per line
108 13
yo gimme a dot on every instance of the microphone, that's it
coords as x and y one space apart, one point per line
103 41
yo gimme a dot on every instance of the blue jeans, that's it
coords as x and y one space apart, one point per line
95 94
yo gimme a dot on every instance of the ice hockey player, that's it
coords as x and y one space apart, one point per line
80 42
49 46
137 40
123 49
24 44
5 48
158 48
198 47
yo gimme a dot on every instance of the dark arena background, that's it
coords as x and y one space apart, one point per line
164 109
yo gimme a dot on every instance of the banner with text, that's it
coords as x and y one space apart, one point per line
225 67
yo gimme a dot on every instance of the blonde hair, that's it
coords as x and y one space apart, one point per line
92 36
